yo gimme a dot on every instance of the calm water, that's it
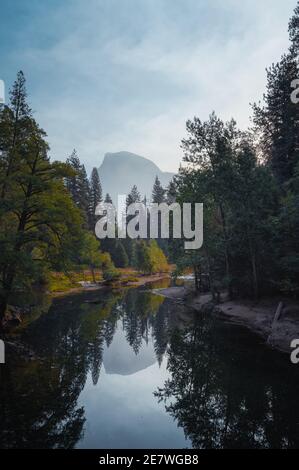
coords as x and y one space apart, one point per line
130 369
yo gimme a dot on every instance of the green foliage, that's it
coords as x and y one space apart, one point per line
277 121
133 196
119 256
240 199
95 197
150 258
251 205
110 273
40 226
79 188
157 259
158 193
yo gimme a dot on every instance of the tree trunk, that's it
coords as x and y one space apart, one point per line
3 307
254 277
195 277
227 262
254 269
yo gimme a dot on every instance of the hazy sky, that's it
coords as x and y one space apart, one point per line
111 75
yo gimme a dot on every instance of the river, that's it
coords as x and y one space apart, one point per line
130 369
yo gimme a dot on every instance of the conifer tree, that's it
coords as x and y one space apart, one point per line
294 31
15 123
278 120
78 186
129 244
119 255
95 196
39 222
133 196
108 199
158 193
171 192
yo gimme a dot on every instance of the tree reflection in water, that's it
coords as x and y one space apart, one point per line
224 396
224 389
39 398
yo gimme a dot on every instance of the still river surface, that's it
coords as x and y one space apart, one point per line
130 369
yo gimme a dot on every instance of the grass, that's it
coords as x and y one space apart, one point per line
61 282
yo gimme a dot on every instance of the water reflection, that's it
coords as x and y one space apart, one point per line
227 391
99 358
123 332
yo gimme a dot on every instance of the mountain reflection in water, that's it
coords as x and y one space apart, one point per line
129 369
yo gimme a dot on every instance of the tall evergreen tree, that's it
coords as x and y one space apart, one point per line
119 255
210 149
129 244
78 186
158 193
15 123
108 244
171 192
278 120
294 31
95 196
38 219
108 199
133 196
84 193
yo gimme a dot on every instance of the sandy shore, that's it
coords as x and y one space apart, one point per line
257 316
89 286
142 280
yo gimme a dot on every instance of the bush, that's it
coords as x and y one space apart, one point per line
110 274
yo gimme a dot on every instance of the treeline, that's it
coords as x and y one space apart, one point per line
41 229
47 211
144 255
249 184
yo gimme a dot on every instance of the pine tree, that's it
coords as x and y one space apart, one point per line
294 31
84 203
142 257
108 199
15 122
95 196
171 192
72 182
129 244
278 120
78 186
40 223
119 256
158 193
133 196
108 244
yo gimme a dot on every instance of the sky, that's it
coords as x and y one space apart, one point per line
111 75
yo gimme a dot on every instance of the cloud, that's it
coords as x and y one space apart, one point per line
112 75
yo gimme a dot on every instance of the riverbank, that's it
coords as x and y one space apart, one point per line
61 285
256 316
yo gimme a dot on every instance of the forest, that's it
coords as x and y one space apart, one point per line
247 180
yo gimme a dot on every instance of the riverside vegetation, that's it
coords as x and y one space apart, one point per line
248 182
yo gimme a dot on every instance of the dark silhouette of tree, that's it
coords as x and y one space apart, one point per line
214 398
278 120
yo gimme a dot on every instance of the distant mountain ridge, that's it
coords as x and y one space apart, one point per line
121 170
